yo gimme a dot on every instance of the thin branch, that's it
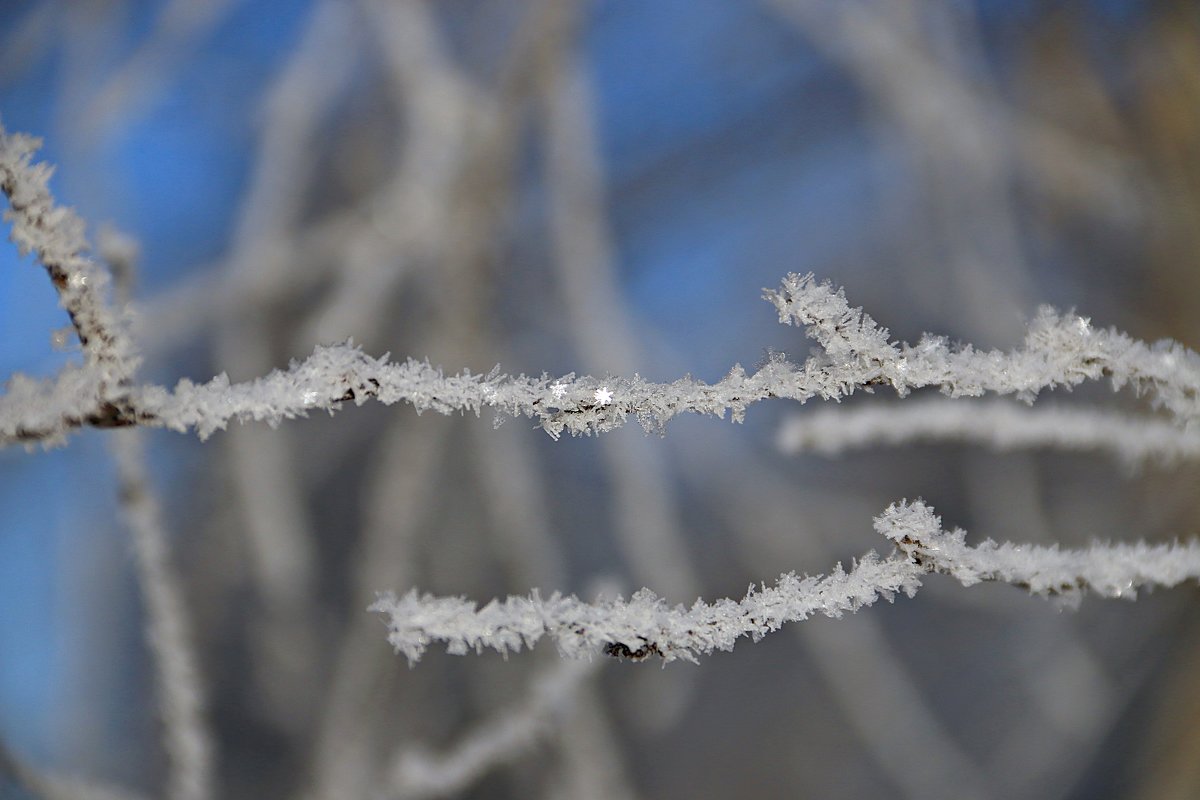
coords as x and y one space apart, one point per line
177 681
1134 440
1060 350
501 739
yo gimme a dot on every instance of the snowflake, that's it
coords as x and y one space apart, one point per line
558 390
603 396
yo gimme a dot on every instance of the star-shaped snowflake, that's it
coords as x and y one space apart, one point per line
603 396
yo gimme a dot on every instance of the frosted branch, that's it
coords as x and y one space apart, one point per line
995 424
645 625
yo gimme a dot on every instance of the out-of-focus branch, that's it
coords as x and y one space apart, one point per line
508 735
397 500
53 786
1134 440
177 678
925 95
646 524
178 29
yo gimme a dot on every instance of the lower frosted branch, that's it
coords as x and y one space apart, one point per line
55 235
645 625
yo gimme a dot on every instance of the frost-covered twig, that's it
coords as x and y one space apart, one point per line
996 424
47 785
95 394
645 625
506 736
55 235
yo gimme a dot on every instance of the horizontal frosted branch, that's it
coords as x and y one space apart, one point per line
645 625
995 424
1059 350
